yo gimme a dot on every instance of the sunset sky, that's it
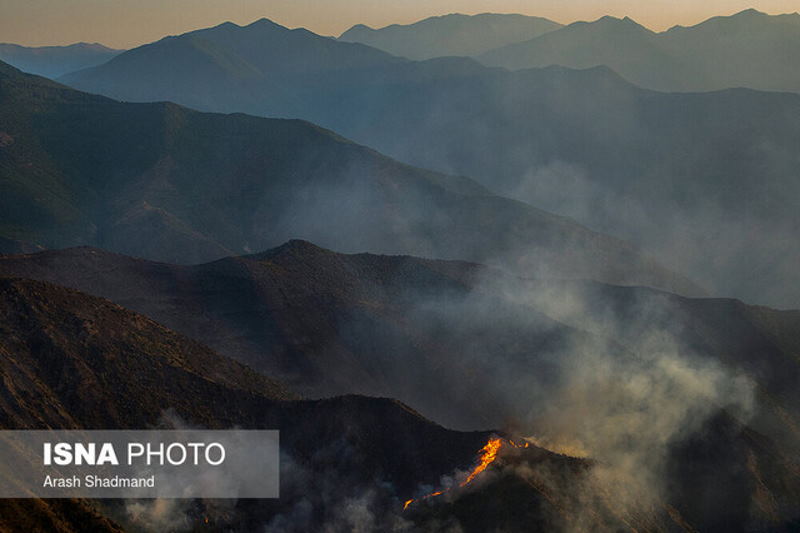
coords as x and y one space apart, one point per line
128 23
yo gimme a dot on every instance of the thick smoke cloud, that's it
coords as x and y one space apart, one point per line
540 359
322 499
624 407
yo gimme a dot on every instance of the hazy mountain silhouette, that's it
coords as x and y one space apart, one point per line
167 183
750 49
705 181
55 61
254 60
450 35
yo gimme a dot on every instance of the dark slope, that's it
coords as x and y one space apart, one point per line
71 360
300 288
11 246
123 371
463 343
62 351
77 361
724 478
748 49
705 181
329 324
167 183
450 35
56 516
55 61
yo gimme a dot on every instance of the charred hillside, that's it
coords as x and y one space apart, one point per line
336 452
75 361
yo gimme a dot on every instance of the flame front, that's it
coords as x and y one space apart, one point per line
488 456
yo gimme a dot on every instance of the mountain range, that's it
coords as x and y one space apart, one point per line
330 324
420 330
749 49
71 360
697 179
450 35
167 183
55 61
75 360
256 62
517 319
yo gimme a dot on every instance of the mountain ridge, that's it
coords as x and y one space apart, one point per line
747 49
285 178
55 61
298 282
299 309
454 34
663 170
73 360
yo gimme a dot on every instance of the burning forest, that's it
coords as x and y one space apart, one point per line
474 273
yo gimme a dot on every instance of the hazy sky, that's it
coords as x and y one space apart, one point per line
127 23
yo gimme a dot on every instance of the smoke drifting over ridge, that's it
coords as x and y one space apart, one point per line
703 179
624 384
716 246
625 407
617 374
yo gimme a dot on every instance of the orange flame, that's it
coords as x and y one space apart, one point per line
488 456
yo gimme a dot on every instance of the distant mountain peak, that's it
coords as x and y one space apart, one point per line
747 20
749 12
55 61
361 27
293 247
81 44
616 22
259 24
264 22
452 34
298 244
